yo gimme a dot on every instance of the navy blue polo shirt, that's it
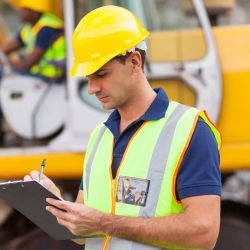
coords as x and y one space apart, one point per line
199 172
45 37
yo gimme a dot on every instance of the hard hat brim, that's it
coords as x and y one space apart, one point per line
88 68
80 69
84 69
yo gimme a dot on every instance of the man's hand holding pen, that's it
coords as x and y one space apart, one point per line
45 181
77 217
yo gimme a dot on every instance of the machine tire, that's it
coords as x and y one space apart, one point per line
235 228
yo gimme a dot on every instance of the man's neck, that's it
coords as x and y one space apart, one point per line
36 18
137 106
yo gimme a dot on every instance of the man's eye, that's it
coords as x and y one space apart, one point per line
101 74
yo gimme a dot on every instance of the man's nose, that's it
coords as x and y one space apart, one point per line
93 86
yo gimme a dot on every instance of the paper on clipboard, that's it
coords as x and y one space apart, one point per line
29 198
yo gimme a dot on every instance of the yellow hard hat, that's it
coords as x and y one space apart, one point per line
101 35
38 5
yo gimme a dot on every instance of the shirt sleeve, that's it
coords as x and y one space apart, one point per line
81 185
46 36
199 172
18 38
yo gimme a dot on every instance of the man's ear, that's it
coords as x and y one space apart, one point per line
136 61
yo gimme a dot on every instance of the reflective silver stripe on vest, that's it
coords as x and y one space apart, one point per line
157 164
159 160
91 157
94 243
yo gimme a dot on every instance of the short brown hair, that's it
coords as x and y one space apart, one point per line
123 59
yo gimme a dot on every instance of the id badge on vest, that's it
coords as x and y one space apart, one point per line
131 190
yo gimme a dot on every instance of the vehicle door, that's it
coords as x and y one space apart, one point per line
182 59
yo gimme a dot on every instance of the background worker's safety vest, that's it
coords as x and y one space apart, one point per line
52 63
154 153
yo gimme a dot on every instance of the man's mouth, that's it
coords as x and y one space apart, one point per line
101 98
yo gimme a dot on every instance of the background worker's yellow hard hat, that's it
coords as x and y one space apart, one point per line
101 35
38 5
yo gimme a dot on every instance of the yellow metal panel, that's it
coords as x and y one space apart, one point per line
233 45
235 157
61 166
210 4
172 46
176 90
193 45
163 46
234 121
228 4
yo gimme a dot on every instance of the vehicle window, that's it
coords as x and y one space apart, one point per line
85 6
170 14
230 12
91 100
176 35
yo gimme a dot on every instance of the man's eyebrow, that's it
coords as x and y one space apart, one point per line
99 71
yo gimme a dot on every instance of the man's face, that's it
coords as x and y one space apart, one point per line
112 84
26 15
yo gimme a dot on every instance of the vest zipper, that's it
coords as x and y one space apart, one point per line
113 196
114 183
105 243
107 237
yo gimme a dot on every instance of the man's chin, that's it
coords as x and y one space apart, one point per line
105 106
108 105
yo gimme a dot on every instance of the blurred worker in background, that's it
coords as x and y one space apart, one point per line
168 149
43 38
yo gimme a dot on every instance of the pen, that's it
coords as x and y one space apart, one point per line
41 169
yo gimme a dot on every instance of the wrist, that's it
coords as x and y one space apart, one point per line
106 223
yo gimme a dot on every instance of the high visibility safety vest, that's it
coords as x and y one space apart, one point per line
52 64
154 153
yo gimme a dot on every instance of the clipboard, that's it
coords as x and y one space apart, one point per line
29 198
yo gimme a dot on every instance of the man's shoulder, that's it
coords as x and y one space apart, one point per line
199 172
46 36
46 30
203 130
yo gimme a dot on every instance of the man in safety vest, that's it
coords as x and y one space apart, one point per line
43 38
151 176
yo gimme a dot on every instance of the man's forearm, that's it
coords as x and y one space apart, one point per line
196 227
173 230
10 47
29 60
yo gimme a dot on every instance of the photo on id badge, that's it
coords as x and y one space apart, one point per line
132 190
